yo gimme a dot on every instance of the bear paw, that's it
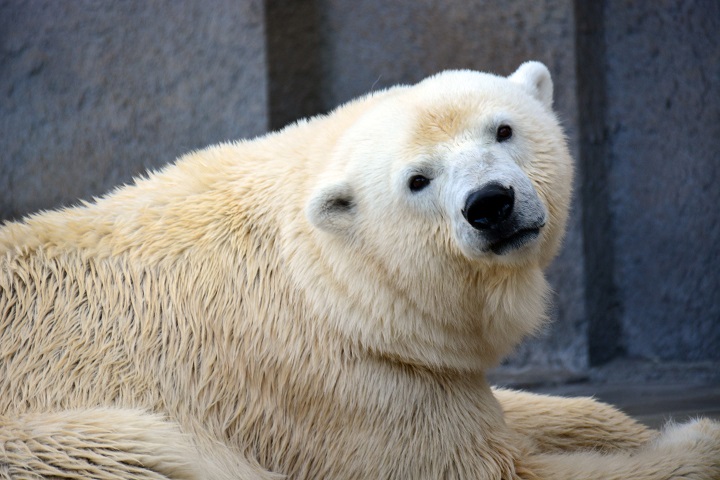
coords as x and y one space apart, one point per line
692 449
697 431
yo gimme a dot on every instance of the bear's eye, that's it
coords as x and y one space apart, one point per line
504 132
418 182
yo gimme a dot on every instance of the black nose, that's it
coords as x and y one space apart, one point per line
489 206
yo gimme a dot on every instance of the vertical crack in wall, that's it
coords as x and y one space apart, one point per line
601 295
293 41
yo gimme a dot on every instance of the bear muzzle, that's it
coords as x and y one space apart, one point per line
492 211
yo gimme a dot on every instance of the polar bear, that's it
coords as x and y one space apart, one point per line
321 302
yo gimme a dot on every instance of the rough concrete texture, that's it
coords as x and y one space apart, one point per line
378 43
663 121
94 93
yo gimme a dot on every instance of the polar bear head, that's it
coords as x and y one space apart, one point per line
440 205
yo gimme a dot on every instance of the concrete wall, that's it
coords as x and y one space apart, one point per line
663 119
93 93
650 140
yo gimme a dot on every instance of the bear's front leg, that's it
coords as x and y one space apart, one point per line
111 443
557 424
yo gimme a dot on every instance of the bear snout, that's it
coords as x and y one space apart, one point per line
489 206
503 219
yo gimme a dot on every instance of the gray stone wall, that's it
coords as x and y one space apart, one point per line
663 123
93 93
649 74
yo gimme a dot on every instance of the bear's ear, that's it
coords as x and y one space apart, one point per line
332 208
535 78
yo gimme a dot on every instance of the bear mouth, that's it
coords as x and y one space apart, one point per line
514 241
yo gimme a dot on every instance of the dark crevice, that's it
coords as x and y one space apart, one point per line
294 42
601 296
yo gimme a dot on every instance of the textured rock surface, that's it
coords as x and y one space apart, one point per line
93 93
663 121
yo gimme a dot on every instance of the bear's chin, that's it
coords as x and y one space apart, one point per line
520 248
516 241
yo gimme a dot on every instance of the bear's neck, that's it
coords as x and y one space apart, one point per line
464 324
